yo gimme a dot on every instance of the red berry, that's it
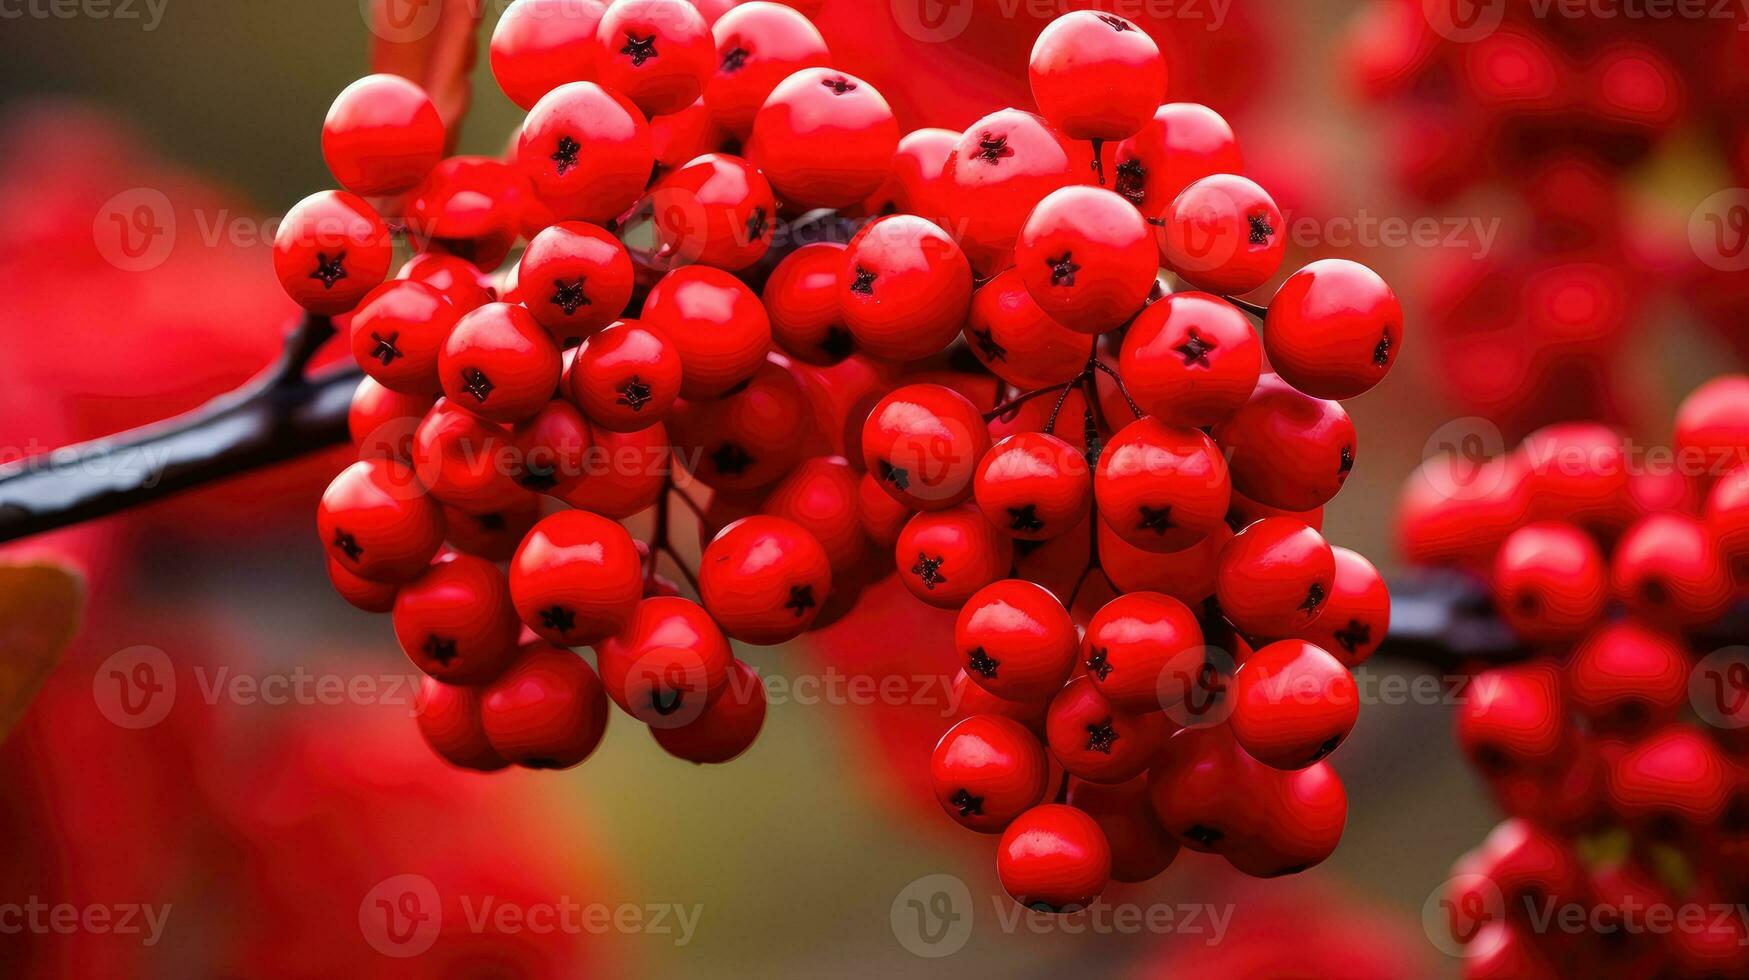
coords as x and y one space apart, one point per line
904 288
1096 76
1513 720
1143 651
1357 613
1727 516
1199 786
449 718
456 621
1087 258
587 151
758 45
923 443
1016 640
1625 678
684 136
1712 427
626 377
748 439
457 280
1223 234
715 322
881 517
467 461
820 495
474 208
1033 486
1054 858
361 593
398 332
973 700
1004 164
802 299
552 450
381 422
576 578
988 770
628 473
1549 582
658 52
1668 569
1579 472
577 279
1140 848
728 726
825 139
1017 341
1303 815
916 184
499 363
1275 577
1293 704
493 536
946 556
330 251
540 45
382 136
1183 143
548 711
1675 777
1188 575
1162 487
763 580
1191 359
1287 449
1334 329
667 664
716 210
1098 741
378 522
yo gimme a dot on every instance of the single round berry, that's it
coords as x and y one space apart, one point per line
1712 426
1018 341
880 516
1302 815
716 210
1549 582
1033 486
553 450
1140 848
1143 651
1334 329
449 718
456 621
628 474
359 592
728 726
1293 704
1098 741
382 136
1275 578
658 52
763 579
398 332
1054 858
1096 76
802 298
330 251
717 325
587 151
627 377
1727 516
748 439
458 281
923 443
499 363
904 288
577 278
825 139
493 536
1223 234
474 208
1183 143
1188 575
1199 786
1668 569
684 136
1191 359
1580 473
576 578
1288 449
988 770
1162 487
1515 720
1016 640
548 711
378 522
667 664
1087 258
466 461
916 184
758 45
945 556
1358 612
540 45
1004 164
1627 677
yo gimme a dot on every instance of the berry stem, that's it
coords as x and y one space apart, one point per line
1099 160
1125 392
1011 404
1260 312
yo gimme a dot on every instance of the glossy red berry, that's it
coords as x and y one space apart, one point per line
456 621
1668 569
1549 582
1712 427
988 770
1334 329
378 522
1183 143
587 151
1288 449
330 251
540 45
1191 359
945 556
1293 704
449 718
1033 486
1275 578
748 439
553 450
1096 76
904 288
1674 778
1579 472
1016 641
1140 848
494 536
474 208
1143 651
1188 575
1018 341
1054 858
1513 719
627 377
758 45
1004 164
1087 258
466 461
548 711
382 422
717 210
1199 786
382 136
576 278
1303 815
658 52
1358 612
825 139
1727 516
1627 677
667 664
1162 487
763 579
458 281
499 363
576 578
398 332
915 185
728 726
820 496
924 443
628 472
1098 741
717 325
1223 234
881 517
359 592
802 298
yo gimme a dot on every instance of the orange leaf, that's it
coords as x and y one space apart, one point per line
432 43
39 613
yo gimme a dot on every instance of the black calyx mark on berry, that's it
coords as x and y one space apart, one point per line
639 49
329 270
1117 24
475 382
634 394
993 149
440 649
838 344
734 59
1527 604
1205 835
1261 232
665 707
987 345
900 479
758 223
348 545
538 476
566 155
1314 600
568 296
1099 662
801 599
980 662
490 522
385 350
1346 465
1381 353
865 280
1654 593
731 460
1025 519
969 805
1101 737
839 84
1354 636
1327 747
929 570
558 619
1157 520
1063 270
1132 177
1195 350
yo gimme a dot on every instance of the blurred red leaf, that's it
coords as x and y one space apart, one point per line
39 613
432 43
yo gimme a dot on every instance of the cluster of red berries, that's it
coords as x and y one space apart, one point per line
1614 570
